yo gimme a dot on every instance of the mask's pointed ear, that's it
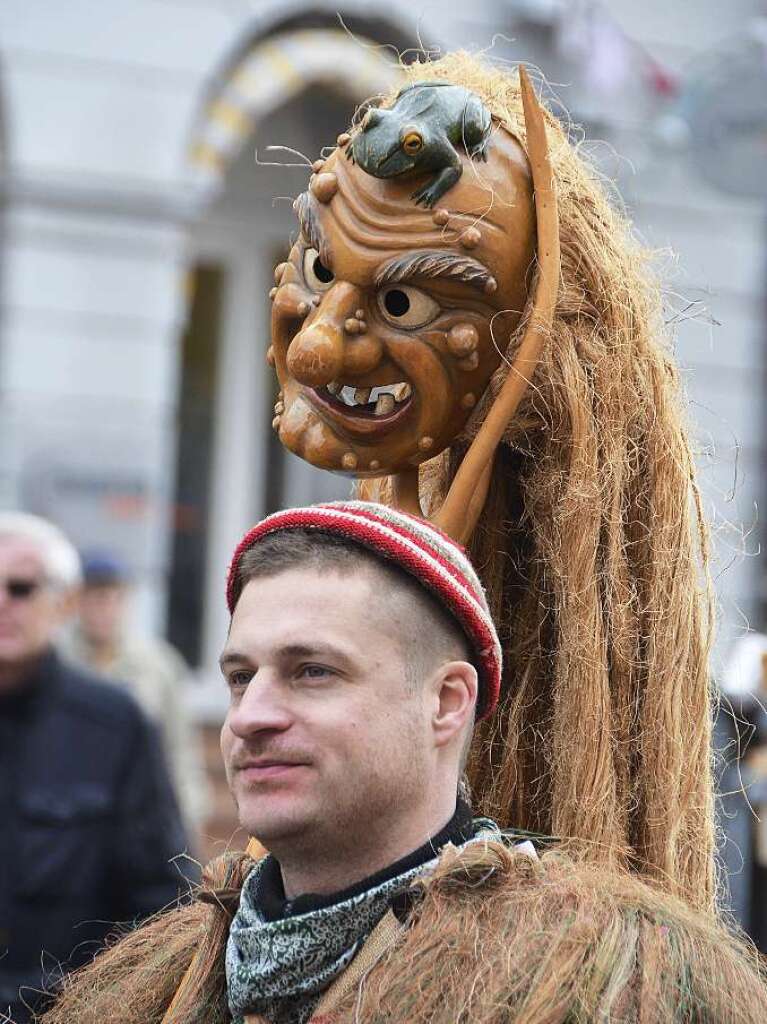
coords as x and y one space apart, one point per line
463 504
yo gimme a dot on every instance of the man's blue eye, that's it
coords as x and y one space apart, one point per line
237 679
315 671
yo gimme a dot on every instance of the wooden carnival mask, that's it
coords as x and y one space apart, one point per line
395 305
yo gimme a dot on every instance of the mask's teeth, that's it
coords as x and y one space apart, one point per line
334 387
362 396
384 405
346 394
402 391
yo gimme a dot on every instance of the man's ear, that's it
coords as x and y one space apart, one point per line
455 689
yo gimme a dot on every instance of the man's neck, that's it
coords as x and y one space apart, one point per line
327 871
101 653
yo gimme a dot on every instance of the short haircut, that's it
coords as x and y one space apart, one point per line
59 556
431 635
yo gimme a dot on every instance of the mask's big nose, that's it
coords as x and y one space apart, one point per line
316 354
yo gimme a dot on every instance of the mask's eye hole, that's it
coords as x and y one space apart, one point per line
412 142
403 306
316 274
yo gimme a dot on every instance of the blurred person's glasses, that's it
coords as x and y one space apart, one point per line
21 590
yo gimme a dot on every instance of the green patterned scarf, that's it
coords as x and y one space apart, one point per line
279 968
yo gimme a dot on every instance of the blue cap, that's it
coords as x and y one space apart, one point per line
102 568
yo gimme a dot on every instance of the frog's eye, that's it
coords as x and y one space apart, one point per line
316 274
406 307
412 142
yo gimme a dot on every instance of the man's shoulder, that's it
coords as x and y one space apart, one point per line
93 698
175 958
152 657
497 928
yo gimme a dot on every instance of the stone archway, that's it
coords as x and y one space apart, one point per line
272 72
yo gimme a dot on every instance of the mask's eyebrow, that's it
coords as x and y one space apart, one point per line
306 211
436 263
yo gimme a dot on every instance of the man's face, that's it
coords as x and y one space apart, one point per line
30 608
102 609
388 319
325 740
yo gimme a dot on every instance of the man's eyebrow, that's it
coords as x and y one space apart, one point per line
232 658
311 650
435 263
306 211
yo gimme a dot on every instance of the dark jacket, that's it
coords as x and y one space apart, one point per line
88 825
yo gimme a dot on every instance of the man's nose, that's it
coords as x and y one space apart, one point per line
333 341
260 709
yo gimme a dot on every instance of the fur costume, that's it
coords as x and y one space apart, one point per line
553 941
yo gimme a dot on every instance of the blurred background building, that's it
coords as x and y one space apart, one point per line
143 212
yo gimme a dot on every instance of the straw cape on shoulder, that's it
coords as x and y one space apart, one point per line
491 934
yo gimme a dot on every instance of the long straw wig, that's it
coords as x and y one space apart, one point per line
593 550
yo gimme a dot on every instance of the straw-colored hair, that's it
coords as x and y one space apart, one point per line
494 937
593 551
560 941
135 979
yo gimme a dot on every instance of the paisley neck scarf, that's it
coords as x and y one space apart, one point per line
281 956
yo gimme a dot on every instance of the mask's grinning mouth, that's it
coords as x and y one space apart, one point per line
370 402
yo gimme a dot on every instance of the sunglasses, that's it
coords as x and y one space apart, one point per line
19 589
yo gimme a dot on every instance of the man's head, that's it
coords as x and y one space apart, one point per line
353 688
103 598
39 570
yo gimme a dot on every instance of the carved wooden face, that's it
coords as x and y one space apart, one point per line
389 320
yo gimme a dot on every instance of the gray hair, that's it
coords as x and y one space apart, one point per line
57 553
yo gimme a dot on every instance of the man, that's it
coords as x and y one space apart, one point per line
149 668
89 824
359 654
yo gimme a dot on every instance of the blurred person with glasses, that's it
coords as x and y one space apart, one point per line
90 825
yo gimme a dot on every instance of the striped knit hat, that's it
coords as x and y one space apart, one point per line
417 547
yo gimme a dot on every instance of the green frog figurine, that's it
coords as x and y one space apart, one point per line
421 132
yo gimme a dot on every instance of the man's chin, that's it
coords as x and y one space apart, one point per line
274 835
274 825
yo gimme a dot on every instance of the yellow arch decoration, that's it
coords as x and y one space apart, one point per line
273 72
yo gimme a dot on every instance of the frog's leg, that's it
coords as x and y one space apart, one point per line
479 151
476 127
433 190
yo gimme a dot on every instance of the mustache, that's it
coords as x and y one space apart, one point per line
269 754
